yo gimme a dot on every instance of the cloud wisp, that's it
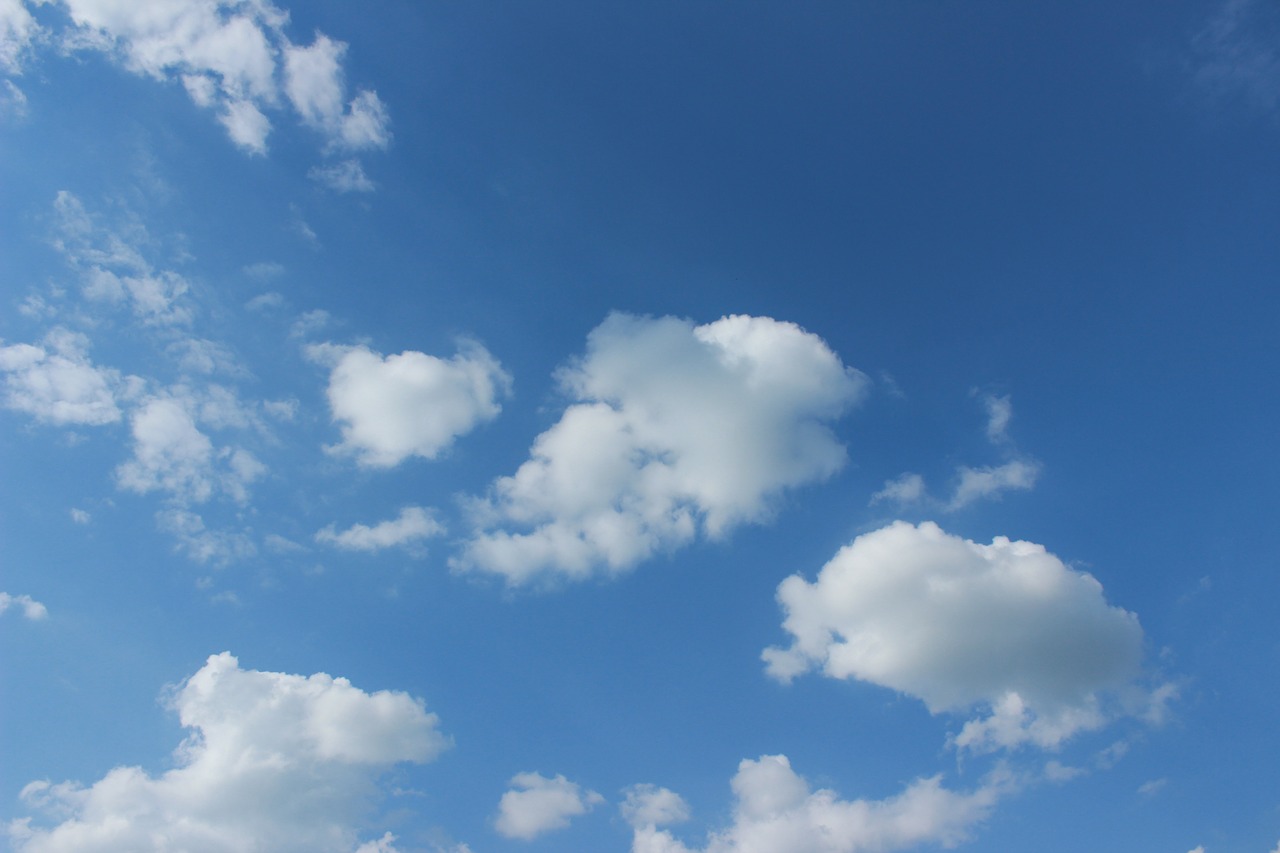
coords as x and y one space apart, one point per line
410 528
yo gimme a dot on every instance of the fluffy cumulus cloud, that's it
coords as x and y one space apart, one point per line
675 428
535 805
232 56
31 609
172 454
409 528
274 762
411 404
58 384
1006 627
775 811
648 805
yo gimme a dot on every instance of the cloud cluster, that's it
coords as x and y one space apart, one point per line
775 811
958 624
1018 473
57 383
31 609
535 805
675 428
173 455
274 762
232 56
18 29
411 404
409 528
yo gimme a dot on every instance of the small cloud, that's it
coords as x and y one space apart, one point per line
31 609
79 516
536 805
649 805
265 302
411 527
905 489
345 177
999 413
309 323
277 544
992 481
1152 787
264 271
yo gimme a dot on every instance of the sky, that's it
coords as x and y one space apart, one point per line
662 427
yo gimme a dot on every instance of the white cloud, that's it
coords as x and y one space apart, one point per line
992 481
648 805
535 805
172 454
675 429
1152 787
313 82
776 812
905 489
31 609
113 268
201 544
57 383
999 413
80 516
231 56
17 32
411 404
345 177
274 762
409 528
1006 626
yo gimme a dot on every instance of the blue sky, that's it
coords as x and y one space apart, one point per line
661 427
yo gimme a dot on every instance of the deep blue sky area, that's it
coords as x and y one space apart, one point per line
678 426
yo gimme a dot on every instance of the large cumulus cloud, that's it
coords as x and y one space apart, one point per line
1006 626
274 762
674 429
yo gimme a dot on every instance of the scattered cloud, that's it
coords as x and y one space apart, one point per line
650 806
274 762
905 489
675 428
31 609
57 383
1152 787
18 30
113 268
775 811
999 413
412 404
535 805
172 454
80 516
1006 627
1019 473
1237 54
992 481
345 177
234 58
202 545
410 527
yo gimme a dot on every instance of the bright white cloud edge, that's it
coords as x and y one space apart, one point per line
675 429
274 762
1007 627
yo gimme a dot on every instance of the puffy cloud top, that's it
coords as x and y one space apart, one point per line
411 404
275 762
776 812
536 804
956 623
676 428
57 382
